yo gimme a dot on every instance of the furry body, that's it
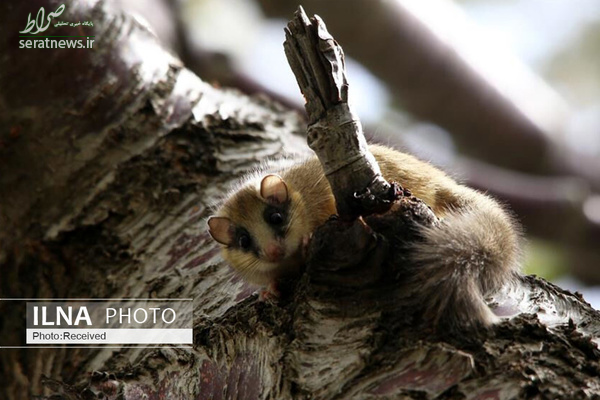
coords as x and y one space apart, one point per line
471 254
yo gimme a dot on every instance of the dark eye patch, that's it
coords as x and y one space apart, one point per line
244 241
276 216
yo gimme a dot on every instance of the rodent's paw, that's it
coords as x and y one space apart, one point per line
305 245
269 293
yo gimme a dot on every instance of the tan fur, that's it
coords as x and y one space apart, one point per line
470 255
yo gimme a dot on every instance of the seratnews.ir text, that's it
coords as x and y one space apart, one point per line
56 43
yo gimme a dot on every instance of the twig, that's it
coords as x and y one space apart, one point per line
334 131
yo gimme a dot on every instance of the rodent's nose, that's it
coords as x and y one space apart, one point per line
274 252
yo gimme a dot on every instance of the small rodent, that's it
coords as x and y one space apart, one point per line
264 225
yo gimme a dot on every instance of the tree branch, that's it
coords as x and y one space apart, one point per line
334 131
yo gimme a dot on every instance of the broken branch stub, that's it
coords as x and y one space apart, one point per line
334 130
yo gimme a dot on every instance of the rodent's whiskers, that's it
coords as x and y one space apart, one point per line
250 265
293 214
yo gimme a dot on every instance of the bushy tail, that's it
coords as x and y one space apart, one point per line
473 252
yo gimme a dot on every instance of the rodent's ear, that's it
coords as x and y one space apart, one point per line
273 189
221 229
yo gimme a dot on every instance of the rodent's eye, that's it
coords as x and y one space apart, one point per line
276 218
244 241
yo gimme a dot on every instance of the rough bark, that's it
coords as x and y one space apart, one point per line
103 192
108 169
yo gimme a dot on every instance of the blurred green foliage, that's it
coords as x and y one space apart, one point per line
546 259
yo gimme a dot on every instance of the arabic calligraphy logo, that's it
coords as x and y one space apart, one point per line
38 22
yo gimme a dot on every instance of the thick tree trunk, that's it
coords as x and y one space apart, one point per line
109 160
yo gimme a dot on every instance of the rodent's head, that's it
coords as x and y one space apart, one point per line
262 227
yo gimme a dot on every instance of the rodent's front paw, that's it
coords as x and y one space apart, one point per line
269 293
305 244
